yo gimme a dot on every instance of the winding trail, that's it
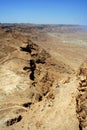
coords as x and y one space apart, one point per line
12 107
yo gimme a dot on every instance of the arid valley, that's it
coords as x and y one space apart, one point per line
43 77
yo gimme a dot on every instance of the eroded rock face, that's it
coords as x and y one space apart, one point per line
81 99
38 69
14 120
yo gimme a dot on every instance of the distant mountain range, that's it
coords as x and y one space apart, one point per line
60 28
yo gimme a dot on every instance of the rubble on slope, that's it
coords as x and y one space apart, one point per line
81 99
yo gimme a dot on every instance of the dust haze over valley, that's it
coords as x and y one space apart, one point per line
43 77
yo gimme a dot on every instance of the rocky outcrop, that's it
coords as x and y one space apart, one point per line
14 120
81 100
38 69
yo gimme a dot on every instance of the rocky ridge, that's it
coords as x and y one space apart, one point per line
81 99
